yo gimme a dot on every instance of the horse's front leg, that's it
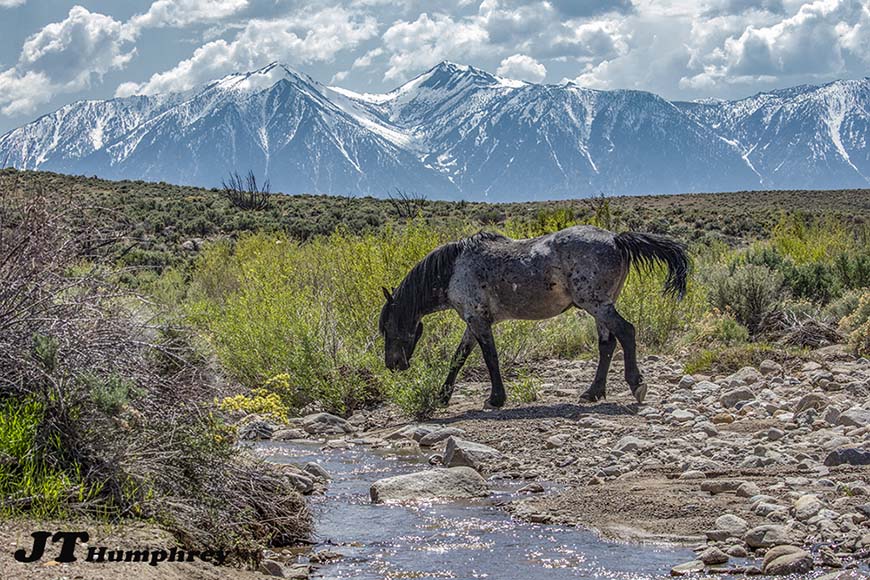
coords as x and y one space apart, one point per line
459 357
482 330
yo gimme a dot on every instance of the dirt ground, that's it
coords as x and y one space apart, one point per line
647 501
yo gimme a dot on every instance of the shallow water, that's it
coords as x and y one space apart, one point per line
469 539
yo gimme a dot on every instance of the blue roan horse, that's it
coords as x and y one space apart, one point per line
488 278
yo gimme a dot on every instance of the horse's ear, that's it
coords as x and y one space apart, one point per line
387 295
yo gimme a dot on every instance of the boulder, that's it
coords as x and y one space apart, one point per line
734 396
769 367
811 401
687 568
555 441
747 489
325 424
288 434
717 486
439 435
316 470
766 536
728 526
631 443
848 456
806 506
460 452
256 430
745 376
415 432
438 483
784 560
855 417
713 556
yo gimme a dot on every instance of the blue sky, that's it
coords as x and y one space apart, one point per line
53 52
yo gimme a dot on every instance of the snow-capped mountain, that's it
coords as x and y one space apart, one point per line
458 132
804 137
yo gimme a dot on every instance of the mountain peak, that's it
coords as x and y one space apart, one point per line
261 79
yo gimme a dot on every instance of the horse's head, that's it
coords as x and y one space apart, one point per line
400 335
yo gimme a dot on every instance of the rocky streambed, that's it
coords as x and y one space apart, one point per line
761 471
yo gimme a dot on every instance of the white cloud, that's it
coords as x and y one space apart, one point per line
297 40
64 57
11 3
186 12
816 41
522 67
428 40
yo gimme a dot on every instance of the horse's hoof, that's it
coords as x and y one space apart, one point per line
588 397
639 392
488 404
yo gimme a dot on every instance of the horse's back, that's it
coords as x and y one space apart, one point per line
536 278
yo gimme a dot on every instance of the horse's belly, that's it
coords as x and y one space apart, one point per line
519 301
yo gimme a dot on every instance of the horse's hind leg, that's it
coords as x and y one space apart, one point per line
625 334
606 346
459 357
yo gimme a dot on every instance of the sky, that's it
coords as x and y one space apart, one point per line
53 52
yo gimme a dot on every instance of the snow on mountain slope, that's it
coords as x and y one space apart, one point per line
457 131
801 137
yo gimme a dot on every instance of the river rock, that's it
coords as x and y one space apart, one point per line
460 452
533 487
555 441
439 435
288 434
769 367
728 526
325 424
811 401
766 536
713 556
631 443
687 568
414 432
256 430
747 489
848 456
316 470
806 506
438 483
783 560
717 486
734 396
745 376
855 417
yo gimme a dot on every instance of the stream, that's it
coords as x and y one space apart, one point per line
461 539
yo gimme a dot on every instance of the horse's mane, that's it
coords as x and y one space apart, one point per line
430 276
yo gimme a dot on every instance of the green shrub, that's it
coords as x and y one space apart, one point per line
30 481
716 328
525 388
857 325
746 291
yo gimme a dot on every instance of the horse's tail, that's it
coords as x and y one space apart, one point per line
646 249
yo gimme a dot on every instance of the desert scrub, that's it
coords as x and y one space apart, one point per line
716 328
94 420
857 325
270 305
748 291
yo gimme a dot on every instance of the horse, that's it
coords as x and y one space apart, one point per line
488 278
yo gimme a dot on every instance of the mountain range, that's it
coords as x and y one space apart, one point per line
456 131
